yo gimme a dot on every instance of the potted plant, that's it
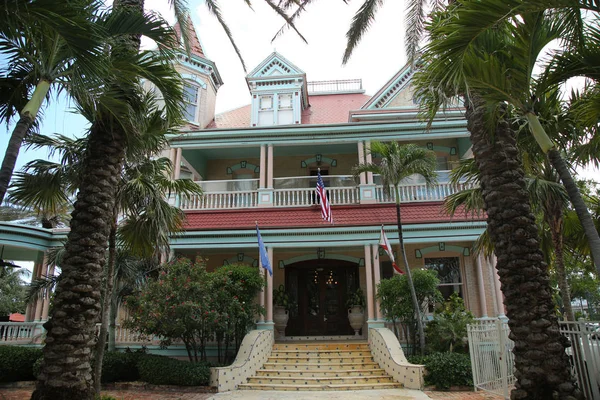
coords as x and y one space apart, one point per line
356 305
281 309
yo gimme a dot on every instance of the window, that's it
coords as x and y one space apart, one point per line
448 269
285 101
266 102
190 98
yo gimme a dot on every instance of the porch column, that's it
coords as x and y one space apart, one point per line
270 166
377 280
30 312
46 306
177 169
499 295
42 270
361 160
263 165
270 289
172 156
369 157
482 301
369 276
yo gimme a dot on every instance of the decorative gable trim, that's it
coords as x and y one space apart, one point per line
274 61
390 89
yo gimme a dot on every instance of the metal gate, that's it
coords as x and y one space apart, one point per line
492 360
491 357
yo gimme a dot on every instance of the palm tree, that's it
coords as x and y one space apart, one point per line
40 59
148 219
397 163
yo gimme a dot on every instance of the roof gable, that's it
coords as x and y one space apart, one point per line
275 64
397 92
194 42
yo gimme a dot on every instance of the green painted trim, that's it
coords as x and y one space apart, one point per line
431 249
244 259
265 326
30 236
308 257
323 160
242 165
333 132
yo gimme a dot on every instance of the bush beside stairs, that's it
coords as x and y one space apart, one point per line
320 366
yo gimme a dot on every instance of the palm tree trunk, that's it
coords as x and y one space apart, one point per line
578 204
106 302
112 325
569 183
66 372
411 285
28 116
559 263
542 367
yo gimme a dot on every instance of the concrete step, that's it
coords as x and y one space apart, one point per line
319 359
322 346
320 353
327 380
314 373
322 366
367 386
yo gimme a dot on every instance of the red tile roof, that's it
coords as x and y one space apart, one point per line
310 217
332 108
324 109
195 46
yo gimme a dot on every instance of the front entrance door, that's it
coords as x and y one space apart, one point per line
319 291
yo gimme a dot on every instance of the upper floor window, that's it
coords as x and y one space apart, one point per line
190 98
285 101
266 102
275 109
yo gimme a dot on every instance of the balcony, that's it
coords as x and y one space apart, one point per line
300 192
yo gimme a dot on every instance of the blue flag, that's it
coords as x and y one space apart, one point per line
264 256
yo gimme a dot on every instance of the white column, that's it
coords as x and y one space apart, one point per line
177 168
369 277
376 280
361 160
499 295
46 306
270 288
482 301
369 157
263 165
270 166
30 313
42 270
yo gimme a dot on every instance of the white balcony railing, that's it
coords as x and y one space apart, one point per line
300 192
19 332
420 192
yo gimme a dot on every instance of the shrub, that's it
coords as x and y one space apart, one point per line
448 330
160 370
448 369
120 367
16 363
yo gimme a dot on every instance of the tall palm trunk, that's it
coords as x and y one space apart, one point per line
555 220
411 285
106 302
28 116
66 371
542 367
561 168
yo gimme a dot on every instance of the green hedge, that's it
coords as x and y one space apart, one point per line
446 369
120 367
16 363
19 363
160 370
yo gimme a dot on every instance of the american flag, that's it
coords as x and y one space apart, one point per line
322 193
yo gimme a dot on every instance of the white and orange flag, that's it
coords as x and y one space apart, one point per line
385 244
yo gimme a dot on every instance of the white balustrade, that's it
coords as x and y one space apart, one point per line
19 332
300 192
420 192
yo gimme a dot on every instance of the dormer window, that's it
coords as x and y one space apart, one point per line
266 102
285 101
190 98
275 109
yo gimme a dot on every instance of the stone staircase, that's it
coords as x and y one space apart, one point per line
320 366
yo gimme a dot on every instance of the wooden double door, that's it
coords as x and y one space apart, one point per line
318 291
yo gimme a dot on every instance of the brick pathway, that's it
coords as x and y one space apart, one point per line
25 394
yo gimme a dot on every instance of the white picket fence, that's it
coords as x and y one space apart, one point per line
492 360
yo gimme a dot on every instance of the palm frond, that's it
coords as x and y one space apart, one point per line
361 22
213 7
